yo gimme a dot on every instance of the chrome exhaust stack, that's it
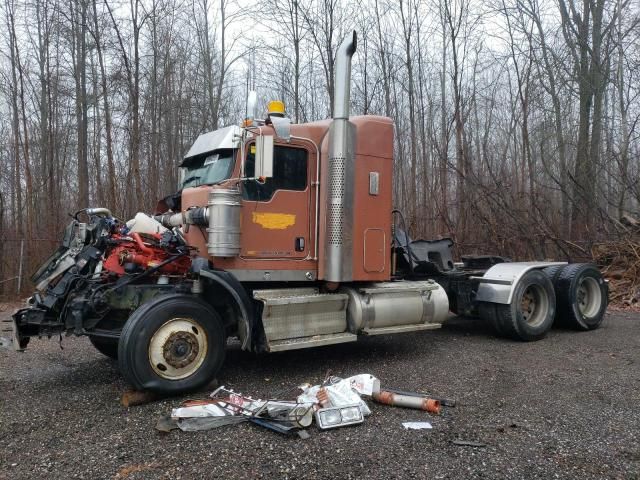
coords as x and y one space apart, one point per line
342 84
338 240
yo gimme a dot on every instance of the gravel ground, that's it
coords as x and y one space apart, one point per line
564 407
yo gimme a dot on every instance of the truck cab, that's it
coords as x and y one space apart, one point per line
287 218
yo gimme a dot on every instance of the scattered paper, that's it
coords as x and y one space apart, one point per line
416 425
363 383
339 392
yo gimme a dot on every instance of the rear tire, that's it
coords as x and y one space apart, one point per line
106 346
530 314
553 272
172 344
582 296
487 312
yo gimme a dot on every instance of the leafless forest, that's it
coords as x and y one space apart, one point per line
516 120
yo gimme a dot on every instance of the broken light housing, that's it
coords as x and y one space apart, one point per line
334 417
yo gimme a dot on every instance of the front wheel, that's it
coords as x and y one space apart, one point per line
172 344
106 346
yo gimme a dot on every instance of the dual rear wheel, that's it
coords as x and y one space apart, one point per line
583 296
575 295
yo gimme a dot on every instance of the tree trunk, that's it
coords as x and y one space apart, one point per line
15 122
111 170
78 9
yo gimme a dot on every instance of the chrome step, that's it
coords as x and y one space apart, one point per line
401 329
315 341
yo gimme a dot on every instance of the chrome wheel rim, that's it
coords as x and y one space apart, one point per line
534 305
178 348
589 297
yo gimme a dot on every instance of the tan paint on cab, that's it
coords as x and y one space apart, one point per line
274 221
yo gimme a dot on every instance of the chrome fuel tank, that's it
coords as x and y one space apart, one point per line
393 304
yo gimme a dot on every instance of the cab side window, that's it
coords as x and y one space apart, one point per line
289 173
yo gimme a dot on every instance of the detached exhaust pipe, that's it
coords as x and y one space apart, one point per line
430 405
338 241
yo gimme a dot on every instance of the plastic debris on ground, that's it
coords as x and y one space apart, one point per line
194 424
208 410
337 392
336 402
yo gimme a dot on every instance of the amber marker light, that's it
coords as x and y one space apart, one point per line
276 108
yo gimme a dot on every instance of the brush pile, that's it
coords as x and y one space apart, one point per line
620 263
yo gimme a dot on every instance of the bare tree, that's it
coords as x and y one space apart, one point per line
515 143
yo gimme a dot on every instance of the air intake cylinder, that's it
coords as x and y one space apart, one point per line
224 222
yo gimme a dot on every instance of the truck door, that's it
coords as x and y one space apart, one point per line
276 213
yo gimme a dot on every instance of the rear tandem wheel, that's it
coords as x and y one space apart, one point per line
530 314
582 296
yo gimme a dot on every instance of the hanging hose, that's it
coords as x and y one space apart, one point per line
406 238
105 289
151 270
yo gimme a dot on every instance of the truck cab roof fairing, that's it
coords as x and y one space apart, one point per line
223 138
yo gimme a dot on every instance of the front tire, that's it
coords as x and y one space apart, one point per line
106 346
172 344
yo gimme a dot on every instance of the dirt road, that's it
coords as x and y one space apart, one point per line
564 407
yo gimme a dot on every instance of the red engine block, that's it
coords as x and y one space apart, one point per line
132 249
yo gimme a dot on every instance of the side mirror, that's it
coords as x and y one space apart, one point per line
264 156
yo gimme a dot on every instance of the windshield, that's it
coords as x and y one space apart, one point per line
208 169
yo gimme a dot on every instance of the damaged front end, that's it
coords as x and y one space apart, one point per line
102 271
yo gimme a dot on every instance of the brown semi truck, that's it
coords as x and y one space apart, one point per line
283 236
